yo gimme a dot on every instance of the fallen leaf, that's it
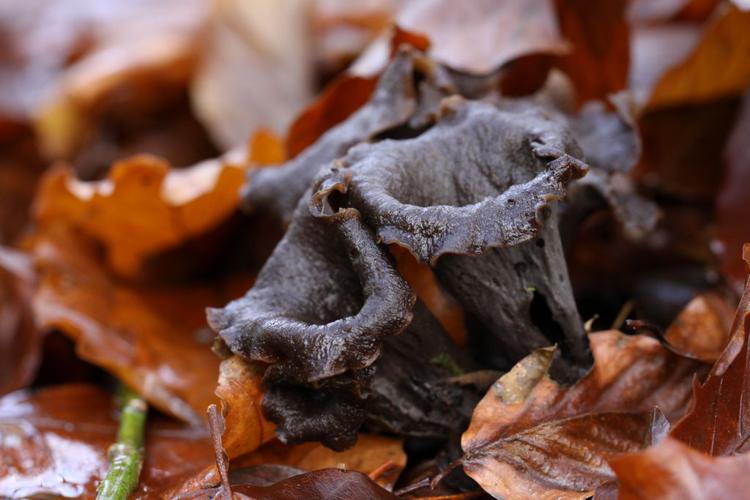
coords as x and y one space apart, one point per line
153 338
260 69
336 103
598 62
673 470
369 454
328 484
54 442
20 340
423 281
717 421
732 207
477 39
142 207
531 437
266 148
239 389
701 331
679 64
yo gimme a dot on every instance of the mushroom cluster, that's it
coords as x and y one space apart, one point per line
486 190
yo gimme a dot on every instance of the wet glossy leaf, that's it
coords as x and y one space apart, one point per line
718 419
702 329
530 437
674 471
20 339
374 455
154 338
54 441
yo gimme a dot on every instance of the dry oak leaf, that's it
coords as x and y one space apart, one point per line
154 338
531 437
673 470
54 442
143 207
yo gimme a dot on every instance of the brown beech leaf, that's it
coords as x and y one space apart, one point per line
600 55
259 70
732 204
531 437
154 338
702 329
336 102
143 207
678 64
369 456
239 390
266 148
673 470
54 442
20 339
718 419
479 38
328 484
422 279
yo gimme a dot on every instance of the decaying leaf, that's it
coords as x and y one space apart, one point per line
20 339
731 206
599 36
54 442
717 421
422 280
153 338
531 437
371 455
143 207
702 329
240 394
676 64
477 39
260 69
673 470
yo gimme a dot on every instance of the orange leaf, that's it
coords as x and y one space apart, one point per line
142 207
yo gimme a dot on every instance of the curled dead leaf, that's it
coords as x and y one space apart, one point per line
531 437
153 338
142 207
239 389
701 331
673 470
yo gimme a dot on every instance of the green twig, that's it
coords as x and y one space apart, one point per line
126 455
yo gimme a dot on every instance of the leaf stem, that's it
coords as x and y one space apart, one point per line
126 455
